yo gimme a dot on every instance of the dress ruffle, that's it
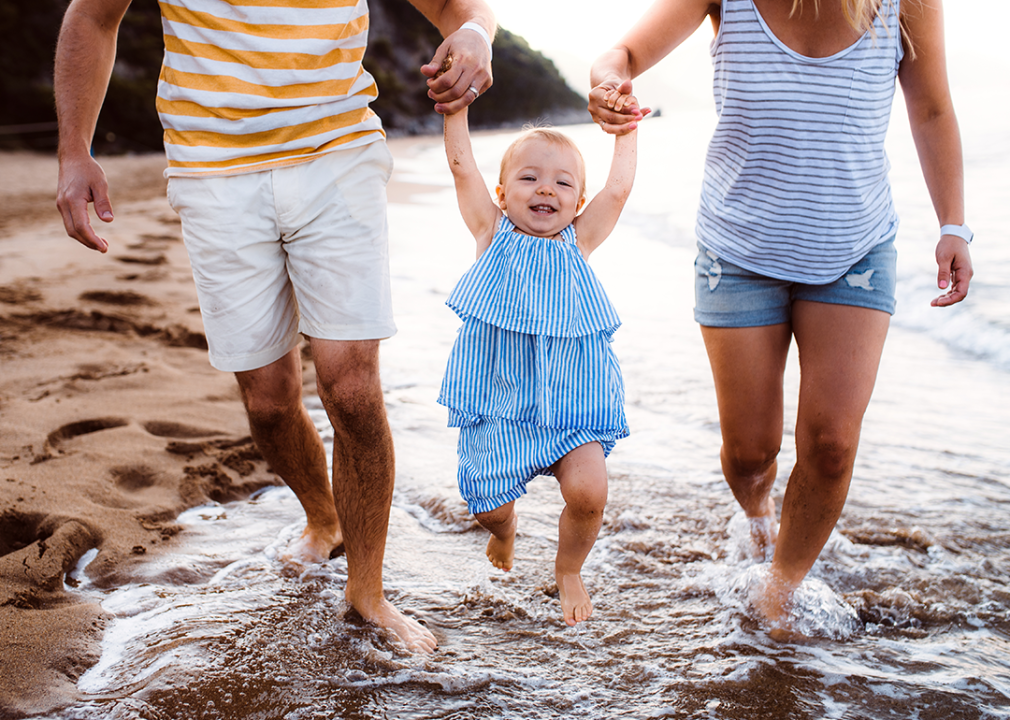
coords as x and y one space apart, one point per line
546 381
534 348
537 286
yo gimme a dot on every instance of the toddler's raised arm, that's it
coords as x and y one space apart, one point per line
475 204
597 221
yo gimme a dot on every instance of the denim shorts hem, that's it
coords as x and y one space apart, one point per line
727 295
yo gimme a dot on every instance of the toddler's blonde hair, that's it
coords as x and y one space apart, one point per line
552 136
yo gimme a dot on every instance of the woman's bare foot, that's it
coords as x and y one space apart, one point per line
764 531
773 602
575 602
402 630
501 547
314 546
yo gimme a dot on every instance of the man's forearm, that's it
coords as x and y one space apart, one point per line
85 54
449 16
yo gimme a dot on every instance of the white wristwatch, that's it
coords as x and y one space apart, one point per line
962 231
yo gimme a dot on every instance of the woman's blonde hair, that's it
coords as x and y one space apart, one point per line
552 136
861 14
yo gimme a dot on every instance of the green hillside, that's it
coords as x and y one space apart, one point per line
527 85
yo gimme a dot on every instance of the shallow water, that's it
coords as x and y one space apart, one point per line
908 604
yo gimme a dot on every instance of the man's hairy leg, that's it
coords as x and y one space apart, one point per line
288 440
347 374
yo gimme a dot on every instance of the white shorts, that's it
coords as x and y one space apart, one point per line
296 249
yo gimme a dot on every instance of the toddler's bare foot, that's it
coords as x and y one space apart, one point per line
575 602
501 550
403 630
316 545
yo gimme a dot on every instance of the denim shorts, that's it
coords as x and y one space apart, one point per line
726 295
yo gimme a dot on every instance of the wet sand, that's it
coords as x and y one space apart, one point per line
112 422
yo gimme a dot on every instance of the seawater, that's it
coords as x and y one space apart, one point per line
907 607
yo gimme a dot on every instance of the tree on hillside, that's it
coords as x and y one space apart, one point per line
527 85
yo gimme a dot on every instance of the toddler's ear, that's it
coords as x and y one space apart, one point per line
582 204
499 191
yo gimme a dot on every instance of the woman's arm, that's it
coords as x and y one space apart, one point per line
923 77
479 211
663 27
597 221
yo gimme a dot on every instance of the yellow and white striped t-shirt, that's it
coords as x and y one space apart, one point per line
252 84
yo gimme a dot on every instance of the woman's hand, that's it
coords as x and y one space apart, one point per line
955 271
614 108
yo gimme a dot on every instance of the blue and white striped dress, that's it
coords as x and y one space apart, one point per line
532 374
796 183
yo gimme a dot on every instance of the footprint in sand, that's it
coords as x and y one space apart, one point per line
168 429
174 335
82 427
32 571
135 477
146 260
18 530
116 297
152 243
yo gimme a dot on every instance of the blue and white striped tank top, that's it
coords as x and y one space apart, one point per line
795 180
538 286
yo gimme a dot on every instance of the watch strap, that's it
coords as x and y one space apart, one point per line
962 231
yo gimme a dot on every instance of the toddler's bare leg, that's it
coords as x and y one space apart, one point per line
501 523
582 474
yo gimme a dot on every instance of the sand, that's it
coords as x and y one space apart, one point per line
112 422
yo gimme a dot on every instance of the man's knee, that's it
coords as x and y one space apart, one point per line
347 375
270 394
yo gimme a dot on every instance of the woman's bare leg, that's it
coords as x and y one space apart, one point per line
839 351
748 365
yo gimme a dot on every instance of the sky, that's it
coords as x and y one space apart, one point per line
573 32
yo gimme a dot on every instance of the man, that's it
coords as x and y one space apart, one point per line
277 168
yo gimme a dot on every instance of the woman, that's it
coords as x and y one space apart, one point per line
796 229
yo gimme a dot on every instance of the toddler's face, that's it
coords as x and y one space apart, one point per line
541 192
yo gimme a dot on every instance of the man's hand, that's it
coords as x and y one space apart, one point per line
459 72
82 181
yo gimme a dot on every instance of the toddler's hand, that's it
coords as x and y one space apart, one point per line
617 101
615 109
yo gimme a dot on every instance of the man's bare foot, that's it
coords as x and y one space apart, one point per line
402 630
313 547
575 602
501 551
